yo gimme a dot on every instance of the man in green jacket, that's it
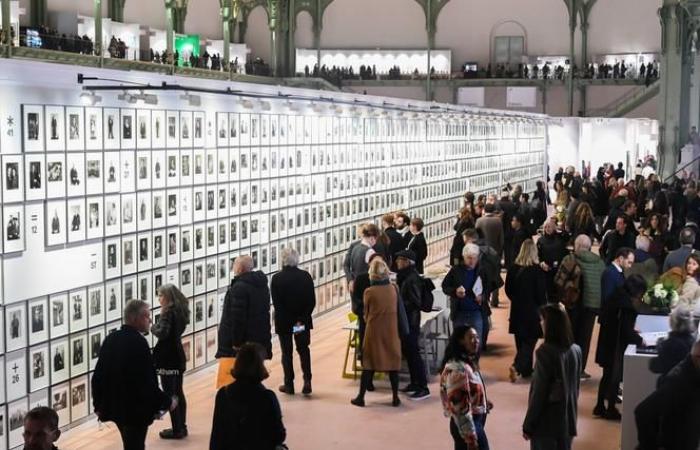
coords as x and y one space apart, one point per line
584 311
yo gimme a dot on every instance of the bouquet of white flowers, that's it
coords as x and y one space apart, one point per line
660 296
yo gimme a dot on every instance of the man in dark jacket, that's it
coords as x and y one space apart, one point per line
613 276
669 417
294 298
411 287
518 236
396 241
490 228
617 239
246 312
41 429
417 243
124 385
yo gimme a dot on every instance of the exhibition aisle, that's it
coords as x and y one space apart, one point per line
328 421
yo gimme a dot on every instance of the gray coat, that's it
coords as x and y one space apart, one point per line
677 258
491 228
553 403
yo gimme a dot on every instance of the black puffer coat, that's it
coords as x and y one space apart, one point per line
168 354
246 315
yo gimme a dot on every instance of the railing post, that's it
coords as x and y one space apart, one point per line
7 27
98 30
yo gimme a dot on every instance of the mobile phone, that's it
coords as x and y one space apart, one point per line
296 329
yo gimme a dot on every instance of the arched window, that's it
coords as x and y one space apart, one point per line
508 43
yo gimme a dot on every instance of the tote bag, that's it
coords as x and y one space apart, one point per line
223 376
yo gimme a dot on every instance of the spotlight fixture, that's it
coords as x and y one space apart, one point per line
126 97
246 103
293 106
264 105
191 99
149 99
89 98
317 107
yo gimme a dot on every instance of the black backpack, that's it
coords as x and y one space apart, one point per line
426 295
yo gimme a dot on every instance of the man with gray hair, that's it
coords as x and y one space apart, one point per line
246 311
644 264
678 257
294 299
124 385
464 285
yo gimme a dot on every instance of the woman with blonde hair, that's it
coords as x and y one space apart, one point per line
583 222
169 356
526 289
381 348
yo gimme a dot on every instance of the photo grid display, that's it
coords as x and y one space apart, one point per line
176 196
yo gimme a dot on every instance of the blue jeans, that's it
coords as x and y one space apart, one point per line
471 318
479 423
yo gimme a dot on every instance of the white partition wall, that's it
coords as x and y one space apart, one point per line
408 60
104 202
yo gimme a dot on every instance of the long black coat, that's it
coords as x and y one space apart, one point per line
124 385
410 287
294 298
246 315
246 417
525 287
419 246
669 417
168 354
617 320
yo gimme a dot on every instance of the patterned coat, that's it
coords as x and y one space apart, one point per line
463 396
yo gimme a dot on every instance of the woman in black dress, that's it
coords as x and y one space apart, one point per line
169 356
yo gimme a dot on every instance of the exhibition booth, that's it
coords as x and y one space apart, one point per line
633 61
142 186
71 24
408 61
237 51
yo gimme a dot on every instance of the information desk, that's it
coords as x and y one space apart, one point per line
638 380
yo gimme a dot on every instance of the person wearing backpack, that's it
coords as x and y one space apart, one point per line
411 290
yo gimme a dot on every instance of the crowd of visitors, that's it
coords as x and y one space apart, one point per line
50 39
556 283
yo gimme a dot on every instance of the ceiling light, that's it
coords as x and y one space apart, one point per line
246 103
191 99
89 98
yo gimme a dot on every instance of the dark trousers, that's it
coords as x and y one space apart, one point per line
411 352
608 387
549 443
368 376
523 362
302 341
133 436
582 324
172 386
479 424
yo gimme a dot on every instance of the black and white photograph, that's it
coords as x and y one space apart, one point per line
128 213
33 128
212 344
159 170
223 167
112 258
96 305
34 177
55 219
113 304
39 369
75 128
12 180
159 209
129 288
173 245
186 138
186 167
78 358
15 327
59 402
173 170
55 176
59 361
13 219
16 412
16 381
143 207
143 125
143 170
38 321
76 219
79 401
78 312
222 138
95 338
93 169
58 318
198 174
185 206
128 132
93 128
173 123
55 129
144 251
112 129
158 256
111 175
158 129
112 215
200 347
199 129
144 287
128 171
234 135
199 313
75 170
173 216
186 279
186 248
95 226
128 254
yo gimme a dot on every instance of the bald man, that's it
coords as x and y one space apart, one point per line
669 417
246 313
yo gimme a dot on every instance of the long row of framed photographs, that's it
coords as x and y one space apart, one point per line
72 128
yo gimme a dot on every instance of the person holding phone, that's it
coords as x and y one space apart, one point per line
294 299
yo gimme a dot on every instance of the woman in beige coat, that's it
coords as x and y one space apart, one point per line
690 290
381 348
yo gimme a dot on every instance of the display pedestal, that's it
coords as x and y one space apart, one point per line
638 380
